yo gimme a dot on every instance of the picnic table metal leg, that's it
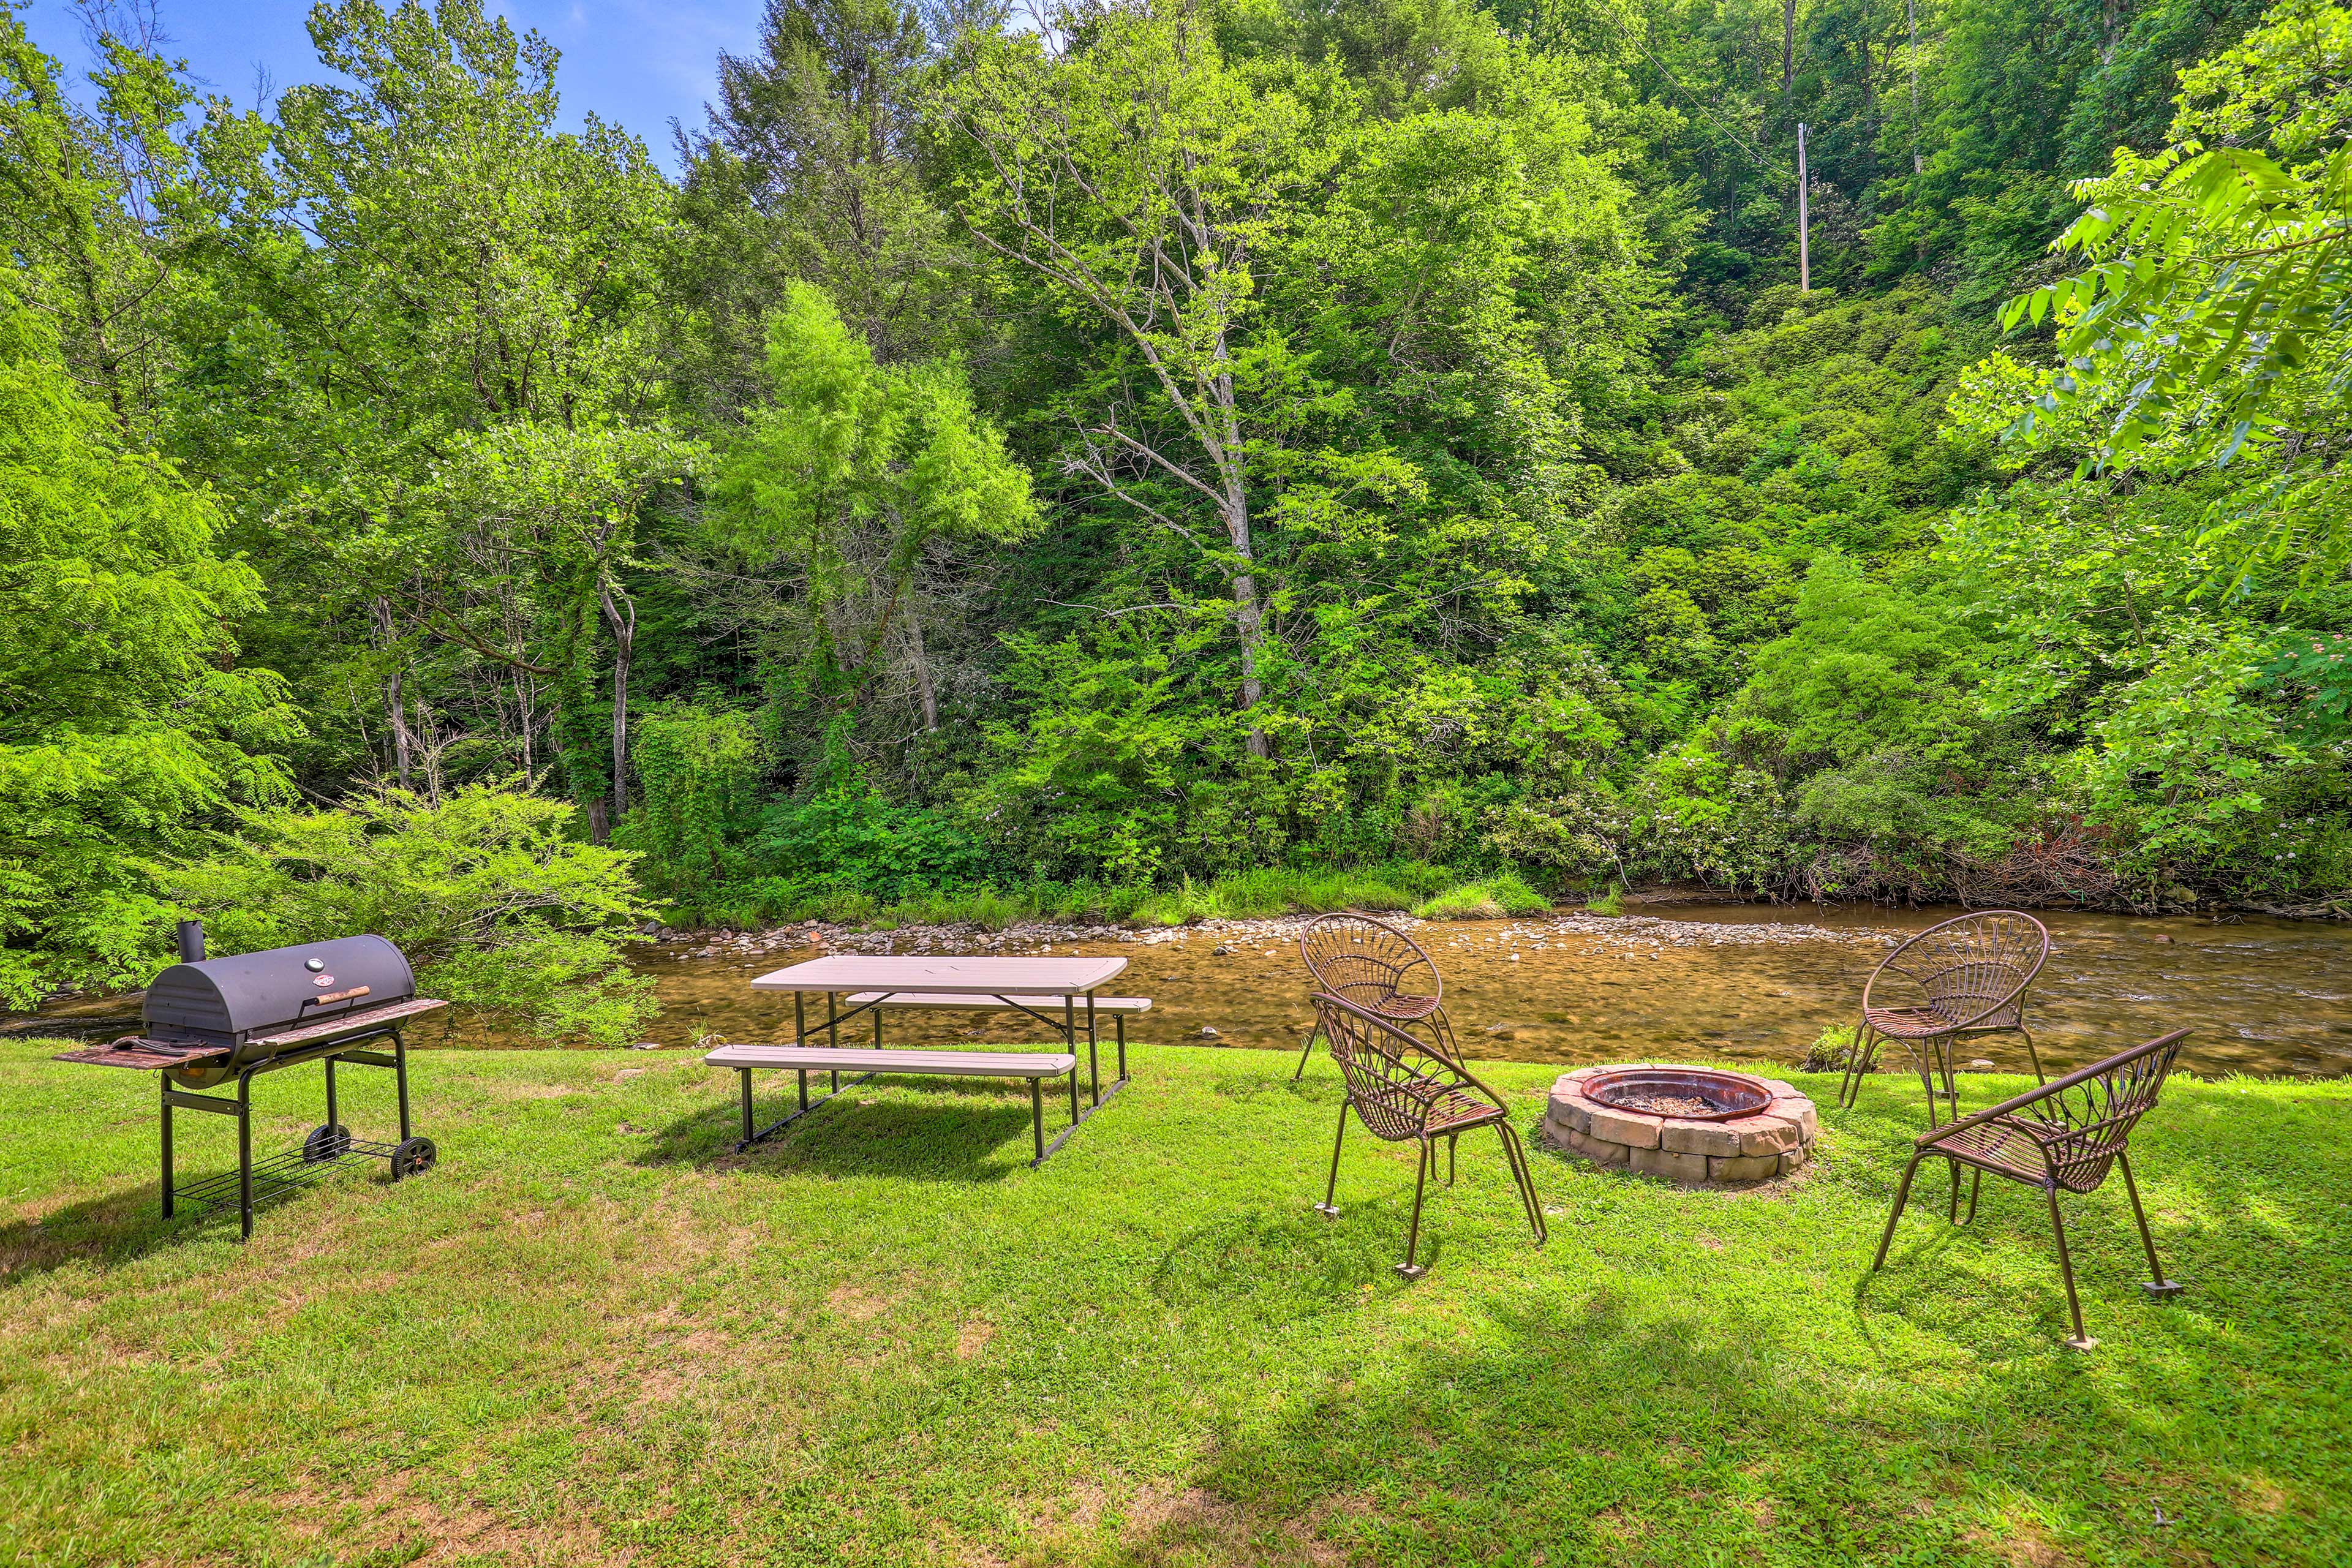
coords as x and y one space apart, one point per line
1094 1067
1074 1094
800 1020
1119 1022
803 1077
748 1128
1037 1118
877 1025
832 1034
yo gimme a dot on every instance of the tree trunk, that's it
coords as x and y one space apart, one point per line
1788 42
622 617
600 827
395 705
1249 616
924 692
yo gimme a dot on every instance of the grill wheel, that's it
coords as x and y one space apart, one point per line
412 1158
325 1142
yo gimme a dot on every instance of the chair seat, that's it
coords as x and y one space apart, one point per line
1907 1023
1454 1110
2003 1146
1400 1005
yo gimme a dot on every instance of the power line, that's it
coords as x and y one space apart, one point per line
1736 138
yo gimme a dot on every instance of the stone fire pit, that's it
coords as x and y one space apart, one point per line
1694 1125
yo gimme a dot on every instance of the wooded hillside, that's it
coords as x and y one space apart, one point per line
1168 438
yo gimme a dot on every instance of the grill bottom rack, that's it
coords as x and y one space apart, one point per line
291 1170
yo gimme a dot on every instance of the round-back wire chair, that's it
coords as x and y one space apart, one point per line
1966 977
1370 964
2063 1137
1403 1086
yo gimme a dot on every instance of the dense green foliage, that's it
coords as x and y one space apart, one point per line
1207 437
501 913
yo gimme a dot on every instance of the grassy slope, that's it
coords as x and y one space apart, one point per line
885 1340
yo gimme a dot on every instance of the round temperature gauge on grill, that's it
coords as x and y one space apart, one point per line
314 964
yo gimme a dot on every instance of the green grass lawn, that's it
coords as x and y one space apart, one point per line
594 1335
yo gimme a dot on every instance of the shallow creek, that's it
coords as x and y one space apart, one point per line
2262 995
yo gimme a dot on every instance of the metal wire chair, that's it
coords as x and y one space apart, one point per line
1969 975
2062 1136
1371 964
1404 1087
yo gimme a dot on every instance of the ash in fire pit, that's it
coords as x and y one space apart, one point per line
1689 1124
1667 1104
1698 1093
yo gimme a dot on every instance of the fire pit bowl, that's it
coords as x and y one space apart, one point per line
1693 1094
1694 1125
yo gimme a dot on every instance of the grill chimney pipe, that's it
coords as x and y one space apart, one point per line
191 941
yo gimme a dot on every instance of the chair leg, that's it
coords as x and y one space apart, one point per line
1409 1269
2081 1340
1451 1139
1902 1196
1331 1188
2032 1055
1857 1067
1518 1158
1304 1051
1976 1185
2157 1285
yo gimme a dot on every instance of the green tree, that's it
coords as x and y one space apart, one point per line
126 724
2214 322
849 480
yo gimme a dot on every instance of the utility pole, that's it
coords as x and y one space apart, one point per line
1804 238
1911 8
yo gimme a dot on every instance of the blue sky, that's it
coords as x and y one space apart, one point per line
640 62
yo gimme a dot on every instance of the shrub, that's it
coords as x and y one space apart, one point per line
1491 898
500 911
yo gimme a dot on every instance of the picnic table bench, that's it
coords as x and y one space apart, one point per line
1031 985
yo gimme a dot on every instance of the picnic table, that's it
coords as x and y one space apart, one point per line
870 982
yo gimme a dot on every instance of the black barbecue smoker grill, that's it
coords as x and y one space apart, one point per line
208 1020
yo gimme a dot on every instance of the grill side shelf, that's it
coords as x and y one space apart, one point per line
350 1023
144 1056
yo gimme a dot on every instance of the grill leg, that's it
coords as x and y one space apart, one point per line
400 1078
2157 1284
1329 1207
1902 1196
1409 1269
165 1080
245 1156
2081 1342
329 1065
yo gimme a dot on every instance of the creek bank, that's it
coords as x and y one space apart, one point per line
1631 931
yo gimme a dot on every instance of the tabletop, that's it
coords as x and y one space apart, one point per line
943 975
